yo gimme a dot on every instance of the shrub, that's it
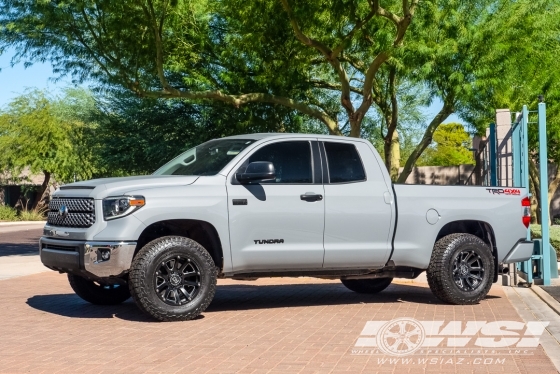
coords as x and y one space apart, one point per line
7 213
554 236
32 215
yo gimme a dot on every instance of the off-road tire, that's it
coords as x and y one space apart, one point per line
143 278
374 285
97 293
440 271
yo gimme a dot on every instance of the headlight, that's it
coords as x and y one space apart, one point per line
117 207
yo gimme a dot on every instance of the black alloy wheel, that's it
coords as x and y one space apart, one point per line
468 270
177 280
461 269
173 278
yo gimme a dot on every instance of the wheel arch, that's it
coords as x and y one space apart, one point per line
480 229
202 232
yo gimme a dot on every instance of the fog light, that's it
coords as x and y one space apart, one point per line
105 255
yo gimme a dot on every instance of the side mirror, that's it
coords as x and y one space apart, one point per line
259 171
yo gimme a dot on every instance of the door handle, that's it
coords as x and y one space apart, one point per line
310 197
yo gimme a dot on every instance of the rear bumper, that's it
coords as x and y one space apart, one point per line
522 251
87 258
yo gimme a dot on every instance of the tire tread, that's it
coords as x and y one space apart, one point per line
437 274
147 255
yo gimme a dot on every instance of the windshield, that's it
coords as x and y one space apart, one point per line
206 159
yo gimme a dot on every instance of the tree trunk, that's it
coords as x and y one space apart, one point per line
395 156
40 202
536 185
534 201
426 139
552 190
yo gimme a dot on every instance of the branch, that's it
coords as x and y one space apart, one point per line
329 55
367 88
334 87
338 49
238 100
374 4
392 125
447 109
151 15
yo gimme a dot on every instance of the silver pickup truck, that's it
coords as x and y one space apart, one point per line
271 205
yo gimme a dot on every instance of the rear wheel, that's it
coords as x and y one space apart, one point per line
370 286
97 293
461 269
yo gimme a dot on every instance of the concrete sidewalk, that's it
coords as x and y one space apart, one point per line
19 250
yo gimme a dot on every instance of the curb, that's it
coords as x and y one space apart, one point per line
22 223
549 300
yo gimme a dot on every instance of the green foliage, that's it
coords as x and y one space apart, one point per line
315 58
39 132
137 136
8 213
451 147
554 232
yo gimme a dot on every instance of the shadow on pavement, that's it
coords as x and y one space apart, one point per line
244 297
71 305
25 242
18 249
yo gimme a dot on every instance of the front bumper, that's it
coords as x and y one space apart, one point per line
87 258
522 251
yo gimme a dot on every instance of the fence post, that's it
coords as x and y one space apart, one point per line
493 156
543 176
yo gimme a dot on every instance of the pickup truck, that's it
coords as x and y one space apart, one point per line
277 205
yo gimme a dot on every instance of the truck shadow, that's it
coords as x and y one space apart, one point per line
20 249
245 297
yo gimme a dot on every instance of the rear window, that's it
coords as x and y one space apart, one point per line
344 163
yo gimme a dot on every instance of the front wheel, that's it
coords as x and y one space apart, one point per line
461 269
370 286
173 278
97 293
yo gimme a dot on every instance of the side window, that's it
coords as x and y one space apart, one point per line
292 161
344 163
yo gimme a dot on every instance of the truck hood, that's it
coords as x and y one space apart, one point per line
103 187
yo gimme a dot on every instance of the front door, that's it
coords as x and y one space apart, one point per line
272 226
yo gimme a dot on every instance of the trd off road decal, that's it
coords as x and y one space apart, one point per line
504 191
269 241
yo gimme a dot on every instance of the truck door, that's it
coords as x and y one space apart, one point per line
279 224
358 210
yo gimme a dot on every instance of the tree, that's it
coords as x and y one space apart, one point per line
451 148
138 135
337 62
534 71
33 134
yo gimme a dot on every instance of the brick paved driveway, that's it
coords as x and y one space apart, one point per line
282 325
271 325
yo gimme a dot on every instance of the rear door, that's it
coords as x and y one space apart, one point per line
278 225
358 207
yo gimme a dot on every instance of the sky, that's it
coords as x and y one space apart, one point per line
15 80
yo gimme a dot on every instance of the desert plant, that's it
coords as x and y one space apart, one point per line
36 214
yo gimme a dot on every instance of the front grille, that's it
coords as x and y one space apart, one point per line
81 212
59 247
73 205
